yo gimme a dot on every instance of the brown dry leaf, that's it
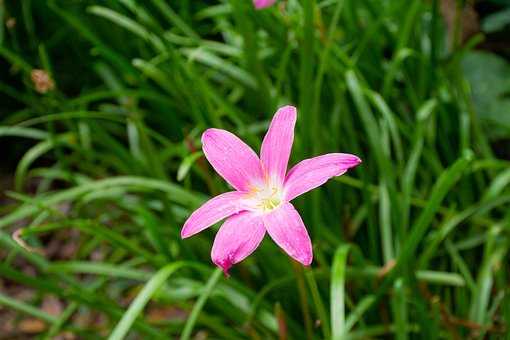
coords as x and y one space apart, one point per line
42 81
65 336
201 335
31 326
160 314
469 22
282 323
10 23
16 237
386 268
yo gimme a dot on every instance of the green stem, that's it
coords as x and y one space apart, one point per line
298 270
197 308
319 305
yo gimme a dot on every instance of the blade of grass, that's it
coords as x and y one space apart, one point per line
319 306
197 308
400 313
303 298
26 308
493 254
123 326
176 194
337 292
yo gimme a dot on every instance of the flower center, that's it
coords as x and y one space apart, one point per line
270 203
266 198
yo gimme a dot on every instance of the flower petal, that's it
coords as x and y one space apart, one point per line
275 150
212 211
237 238
235 161
259 4
313 172
286 228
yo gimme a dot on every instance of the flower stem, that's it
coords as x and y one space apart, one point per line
298 269
197 308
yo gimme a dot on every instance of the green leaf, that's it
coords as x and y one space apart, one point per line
186 164
337 292
138 304
195 312
489 78
496 21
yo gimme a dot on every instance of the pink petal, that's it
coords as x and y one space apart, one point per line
286 228
211 212
277 143
259 4
235 161
237 238
313 172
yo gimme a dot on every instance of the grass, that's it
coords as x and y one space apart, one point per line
412 244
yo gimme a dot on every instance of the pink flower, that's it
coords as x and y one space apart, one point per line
260 4
263 191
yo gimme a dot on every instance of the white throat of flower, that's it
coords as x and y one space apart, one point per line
265 198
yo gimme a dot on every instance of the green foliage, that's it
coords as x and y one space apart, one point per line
411 243
489 76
